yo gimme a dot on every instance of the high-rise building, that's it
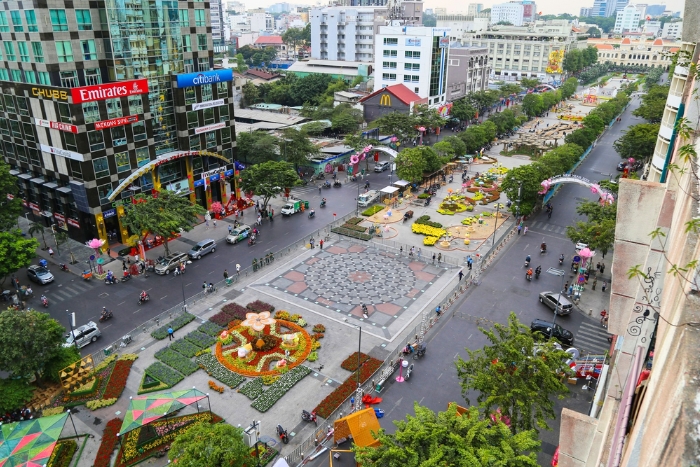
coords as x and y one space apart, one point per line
345 33
627 20
600 8
512 12
461 24
217 26
475 8
672 30
101 104
585 12
414 56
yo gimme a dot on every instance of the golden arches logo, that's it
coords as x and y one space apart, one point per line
385 100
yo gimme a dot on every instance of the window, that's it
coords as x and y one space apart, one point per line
208 116
30 76
91 112
114 108
192 119
4 129
410 54
186 43
211 139
92 76
23 51
28 131
44 78
22 106
16 21
10 151
221 89
122 161
200 18
391 53
58 20
96 140
203 64
64 50
189 64
207 92
35 160
391 65
195 142
135 105
225 135
4 25
101 167
118 136
201 42
184 18
223 113
412 67
30 16
411 78
139 130
16 131
389 76
17 76
76 169
69 79
104 191
82 17
142 156
38 52
391 41
10 51
64 112
89 51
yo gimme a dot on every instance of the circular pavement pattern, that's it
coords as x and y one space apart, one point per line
363 276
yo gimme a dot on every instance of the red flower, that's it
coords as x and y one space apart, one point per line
117 382
345 390
109 442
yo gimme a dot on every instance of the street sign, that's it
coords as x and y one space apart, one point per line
555 272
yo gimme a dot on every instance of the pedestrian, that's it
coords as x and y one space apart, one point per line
461 274
605 286
311 242
595 282
238 269
438 310
109 252
206 222
410 253
319 189
439 258
433 258
419 253
214 221
124 267
602 268
171 333
225 274
230 229
469 262
519 228
51 252
320 244
597 266
401 251
272 213
566 287
571 290
525 230
204 286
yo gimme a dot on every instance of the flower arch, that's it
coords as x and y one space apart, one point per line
605 197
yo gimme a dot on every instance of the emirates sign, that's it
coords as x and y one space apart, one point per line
101 92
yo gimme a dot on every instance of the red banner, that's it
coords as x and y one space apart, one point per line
74 223
34 207
116 122
102 92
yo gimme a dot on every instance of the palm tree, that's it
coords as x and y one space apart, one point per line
38 228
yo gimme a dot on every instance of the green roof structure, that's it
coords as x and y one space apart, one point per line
150 407
29 443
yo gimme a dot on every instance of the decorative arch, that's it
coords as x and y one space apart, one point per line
605 197
143 170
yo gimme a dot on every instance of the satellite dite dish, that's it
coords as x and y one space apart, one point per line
280 463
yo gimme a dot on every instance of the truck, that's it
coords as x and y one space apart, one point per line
293 206
365 199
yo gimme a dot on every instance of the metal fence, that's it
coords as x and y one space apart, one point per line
445 298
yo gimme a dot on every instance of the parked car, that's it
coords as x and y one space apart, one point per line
169 263
39 274
238 234
202 248
83 335
557 302
548 330
381 166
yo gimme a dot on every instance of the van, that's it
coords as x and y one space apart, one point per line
381 166
170 262
202 248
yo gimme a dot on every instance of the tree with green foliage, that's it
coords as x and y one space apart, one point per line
402 125
64 357
345 122
14 394
463 110
568 89
251 94
594 122
293 37
38 228
653 104
533 105
518 373
429 21
483 100
529 83
410 164
458 146
638 141
598 232
296 147
433 161
241 67
28 341
164 214
594 33
269 179
16 251
450 439
605 24
214 445
257 146
583 137
10 209
509 89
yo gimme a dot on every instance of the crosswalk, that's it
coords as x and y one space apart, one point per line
63 292
312 188
540 226
592 339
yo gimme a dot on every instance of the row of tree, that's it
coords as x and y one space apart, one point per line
576 60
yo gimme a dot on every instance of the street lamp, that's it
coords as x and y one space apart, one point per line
517 206
359 362
495 224
556 272
71 324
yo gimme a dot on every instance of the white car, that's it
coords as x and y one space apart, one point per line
83 335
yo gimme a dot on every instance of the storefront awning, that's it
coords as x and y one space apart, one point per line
64 189
401 183
14 172
50 185
389 189
25 176
38 180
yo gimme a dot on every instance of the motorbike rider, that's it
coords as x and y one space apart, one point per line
105 313
44 300
529 273
312 213
144 296
527 259
561 258
538 270
323 201
110 277
543 246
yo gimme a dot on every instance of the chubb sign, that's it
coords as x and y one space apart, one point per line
204 77
102 92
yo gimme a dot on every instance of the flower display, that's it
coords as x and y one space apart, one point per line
258 321
176 361
345 390
211 365
430 241
108 443
117 381
428 230
546 185
279 388
258 306
354 159
252 389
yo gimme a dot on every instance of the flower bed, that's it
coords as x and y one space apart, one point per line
354 220
211 329
179 322
211 365
258 306
221 319
101 375
351 233
425 220
372 210
215 387
427 230
62 454
236 311
87 388
200 339
185 348
350 363
176 361
279 388
163 374
252 389
108 443
117 381
430 241
345 390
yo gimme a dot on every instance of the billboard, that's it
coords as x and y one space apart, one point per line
444 42
413 42
528 12
120 121
102 92
204 77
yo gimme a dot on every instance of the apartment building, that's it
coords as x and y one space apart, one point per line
516 52
461 24
627 19
101 104
474 9
415 56
654 54
585 12
467 70
672 30
345 33
512 12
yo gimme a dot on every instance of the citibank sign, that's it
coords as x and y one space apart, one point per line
204 77
102 92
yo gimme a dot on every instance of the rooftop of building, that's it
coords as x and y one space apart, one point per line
267 116
272 40
332 67
262 74
628 41
412 31
399 91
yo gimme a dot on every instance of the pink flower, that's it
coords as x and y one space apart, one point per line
258 321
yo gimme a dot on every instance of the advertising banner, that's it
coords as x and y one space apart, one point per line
63 153
204 77
413 42
444 42
212 127
102 92
207 105
121 121
56 125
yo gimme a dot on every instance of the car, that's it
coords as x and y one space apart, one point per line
82 335
549 330
381 166
238 234
202 248
39 274
170 262
557 302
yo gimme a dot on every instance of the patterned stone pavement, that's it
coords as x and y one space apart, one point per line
337 280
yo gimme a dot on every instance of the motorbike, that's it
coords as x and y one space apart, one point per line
144 298
312 213
105 316
320 176
251 241
327 184
282 433
323 203
63 267
44 302
309 416
527 261
561 260
528 275
112 280
365 312
538 271
420 351
126 277
543 249
337 184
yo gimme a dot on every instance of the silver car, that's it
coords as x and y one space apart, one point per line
557 302
170 262
83 335
202 248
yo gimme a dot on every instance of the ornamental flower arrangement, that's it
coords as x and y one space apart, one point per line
108 443
424 229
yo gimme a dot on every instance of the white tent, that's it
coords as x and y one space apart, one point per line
389 190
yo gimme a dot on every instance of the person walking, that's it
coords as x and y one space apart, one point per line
602 268
401 251
461 274
433 258
520 227
320 244
419 253
171 333
595 282
566 287
238 269
311 242
51 252
230 229
605 286
225 274
214 222
439 258
469 263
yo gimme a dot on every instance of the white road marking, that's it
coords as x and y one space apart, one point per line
163 297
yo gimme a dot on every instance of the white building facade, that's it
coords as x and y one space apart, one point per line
672 30
627 19
345 33
510 12
414 56
461 24
475 8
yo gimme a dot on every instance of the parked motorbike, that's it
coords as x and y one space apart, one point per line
282 433
309 416
420 351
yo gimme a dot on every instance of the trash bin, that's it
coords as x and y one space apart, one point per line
43 263
306 205
107 351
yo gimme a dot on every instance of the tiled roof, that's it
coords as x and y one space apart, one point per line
273 40
261 74
604 47
399 91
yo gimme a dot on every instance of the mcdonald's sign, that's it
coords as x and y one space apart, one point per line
385 100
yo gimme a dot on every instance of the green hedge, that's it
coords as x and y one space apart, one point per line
163 374
200 339
214 368
351 233
252 389
210 328
179 322
372 210
185 348
175 360
353 227
354 220
425 220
